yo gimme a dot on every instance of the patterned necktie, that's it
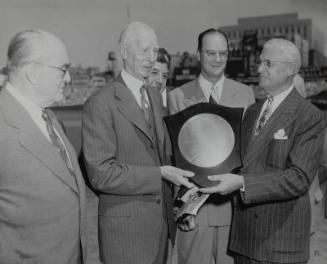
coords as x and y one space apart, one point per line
145 104
214 96
56 141
264 116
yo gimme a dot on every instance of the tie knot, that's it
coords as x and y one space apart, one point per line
270 98
45 115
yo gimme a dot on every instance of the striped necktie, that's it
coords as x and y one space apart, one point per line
57 141
145 104
214 96
264 116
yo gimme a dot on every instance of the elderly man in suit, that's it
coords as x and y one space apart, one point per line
206 241
42 193
281 144
125 150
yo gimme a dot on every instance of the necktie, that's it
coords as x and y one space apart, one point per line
56 141
214 96
264 116
145 104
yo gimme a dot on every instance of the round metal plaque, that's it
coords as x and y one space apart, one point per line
206 140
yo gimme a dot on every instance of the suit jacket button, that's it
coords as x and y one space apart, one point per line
158 200
152 146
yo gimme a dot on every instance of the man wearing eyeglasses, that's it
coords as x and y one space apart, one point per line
281 143
42 192
204 239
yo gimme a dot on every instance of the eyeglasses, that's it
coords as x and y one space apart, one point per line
223 54
267 63
64 69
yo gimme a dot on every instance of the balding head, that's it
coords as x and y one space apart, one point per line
138 46
287 51
30 45
38 66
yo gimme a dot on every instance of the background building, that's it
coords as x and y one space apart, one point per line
302 32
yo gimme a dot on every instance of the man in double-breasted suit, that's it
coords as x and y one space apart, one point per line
214 217
125 150
281 143
42 195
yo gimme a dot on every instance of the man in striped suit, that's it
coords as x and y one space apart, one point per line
281 143
125 149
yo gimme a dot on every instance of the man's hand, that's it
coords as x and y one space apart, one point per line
186 223
177 176
227 183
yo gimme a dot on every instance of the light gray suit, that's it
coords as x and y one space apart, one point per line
42 214
197 246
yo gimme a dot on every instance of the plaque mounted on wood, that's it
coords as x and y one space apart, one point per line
206 140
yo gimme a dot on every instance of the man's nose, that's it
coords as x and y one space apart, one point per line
67 78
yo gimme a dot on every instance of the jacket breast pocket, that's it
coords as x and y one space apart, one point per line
278 151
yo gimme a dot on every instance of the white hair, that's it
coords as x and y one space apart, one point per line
131 32
288 50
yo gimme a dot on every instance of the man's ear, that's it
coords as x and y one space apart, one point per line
198 55
123 52
31 73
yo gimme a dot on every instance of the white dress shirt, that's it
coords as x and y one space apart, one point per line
207 87
277 100
134 85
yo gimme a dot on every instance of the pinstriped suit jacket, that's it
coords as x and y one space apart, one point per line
217 210
271 220
122 161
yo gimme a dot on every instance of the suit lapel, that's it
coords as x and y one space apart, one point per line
282 116
128 106
195 94
248 125
33 140
228 93
156 106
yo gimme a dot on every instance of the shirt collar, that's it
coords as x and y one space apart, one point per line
281 97
27 103
131 81
133 84
206 86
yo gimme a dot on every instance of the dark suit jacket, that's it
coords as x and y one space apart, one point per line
42 206
122 161
271 220
217 211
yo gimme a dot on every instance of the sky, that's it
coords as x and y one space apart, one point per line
91 28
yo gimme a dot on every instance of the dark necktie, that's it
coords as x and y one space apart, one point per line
145 104
265 116
56 141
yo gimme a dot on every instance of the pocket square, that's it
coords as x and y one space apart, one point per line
280 134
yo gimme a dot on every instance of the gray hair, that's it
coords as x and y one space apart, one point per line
289 51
